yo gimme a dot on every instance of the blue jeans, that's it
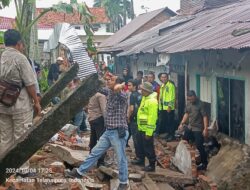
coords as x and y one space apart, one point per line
78 119
109 139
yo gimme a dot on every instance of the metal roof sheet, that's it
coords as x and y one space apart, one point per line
210 29
132 27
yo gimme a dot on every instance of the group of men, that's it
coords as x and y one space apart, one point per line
149 110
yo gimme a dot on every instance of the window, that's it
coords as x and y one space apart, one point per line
96 27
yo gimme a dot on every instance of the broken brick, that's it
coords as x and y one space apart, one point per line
57 167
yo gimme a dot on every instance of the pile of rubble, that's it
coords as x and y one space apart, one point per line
67 149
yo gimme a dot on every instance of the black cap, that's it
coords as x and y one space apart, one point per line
191 93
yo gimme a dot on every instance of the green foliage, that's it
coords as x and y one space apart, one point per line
117 10
24 26
1 37
63 7
43 81
4 3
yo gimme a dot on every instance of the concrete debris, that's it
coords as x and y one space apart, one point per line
182 159
149 183
109 171
47 167
171 177
73 157
135 177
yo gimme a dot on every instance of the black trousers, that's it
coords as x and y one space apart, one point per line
97 128
133 128
146 148
198 139
167 123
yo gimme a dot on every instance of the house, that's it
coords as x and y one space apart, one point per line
138 25
100 24
47 22
207 51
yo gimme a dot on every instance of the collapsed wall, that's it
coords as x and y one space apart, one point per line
230 168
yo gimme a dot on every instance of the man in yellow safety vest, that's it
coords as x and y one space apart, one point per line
146 119
167 106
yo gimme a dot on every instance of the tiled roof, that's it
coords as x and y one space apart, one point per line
6 23
51 18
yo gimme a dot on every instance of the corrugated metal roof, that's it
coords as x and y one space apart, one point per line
132 27
153 32
210 29
66 34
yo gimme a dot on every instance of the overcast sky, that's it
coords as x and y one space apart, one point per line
148 4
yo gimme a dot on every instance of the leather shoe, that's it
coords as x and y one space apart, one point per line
122 186
149 168
138 162
201 167
73 174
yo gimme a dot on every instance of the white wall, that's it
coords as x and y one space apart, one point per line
147 63
225 69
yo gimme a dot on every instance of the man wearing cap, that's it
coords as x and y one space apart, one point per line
54 71
197 118
146 120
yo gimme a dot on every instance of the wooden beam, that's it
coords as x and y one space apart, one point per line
62 82
49 125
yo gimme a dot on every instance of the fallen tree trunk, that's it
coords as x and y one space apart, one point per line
62 82
50 124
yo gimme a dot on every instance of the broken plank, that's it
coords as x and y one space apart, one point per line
149 183
114 183
169 176
60 84
164 186
49 125
133 185
109 171
90 185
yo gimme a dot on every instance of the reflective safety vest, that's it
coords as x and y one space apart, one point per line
147 114
167 96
